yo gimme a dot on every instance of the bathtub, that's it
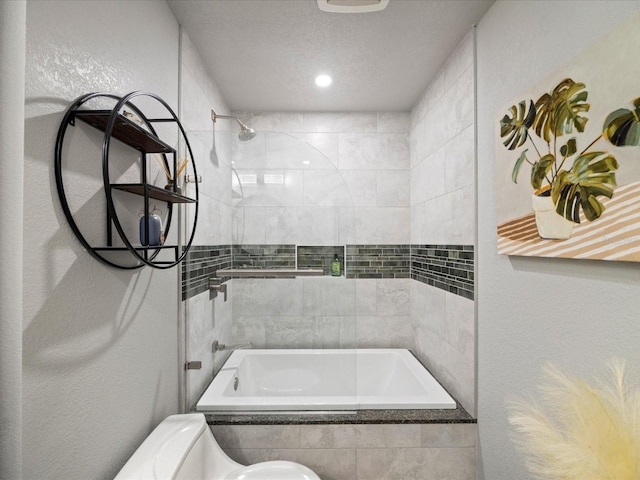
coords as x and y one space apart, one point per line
331 380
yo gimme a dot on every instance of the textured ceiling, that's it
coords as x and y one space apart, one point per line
265 54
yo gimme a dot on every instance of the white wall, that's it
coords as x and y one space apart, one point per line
576 314
100 344
442 213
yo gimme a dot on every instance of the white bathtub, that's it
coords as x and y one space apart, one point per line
345 379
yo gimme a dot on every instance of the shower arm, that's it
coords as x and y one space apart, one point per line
245 134
215 116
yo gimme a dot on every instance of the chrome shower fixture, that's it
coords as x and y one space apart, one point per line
245 134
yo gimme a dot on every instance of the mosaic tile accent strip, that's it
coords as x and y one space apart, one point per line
378 261
264 256
320 257
200 264
448 267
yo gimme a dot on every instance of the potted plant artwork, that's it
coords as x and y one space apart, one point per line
569 179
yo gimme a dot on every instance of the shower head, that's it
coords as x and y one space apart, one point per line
245 134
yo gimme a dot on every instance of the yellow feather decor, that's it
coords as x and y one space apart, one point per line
580 432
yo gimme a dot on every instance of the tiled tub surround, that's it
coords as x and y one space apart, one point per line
435 321
434 451
444 329
209 319
369 183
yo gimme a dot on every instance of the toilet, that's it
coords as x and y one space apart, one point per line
183 447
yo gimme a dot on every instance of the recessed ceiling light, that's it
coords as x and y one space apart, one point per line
323 80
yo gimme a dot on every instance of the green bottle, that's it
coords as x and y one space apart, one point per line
335 266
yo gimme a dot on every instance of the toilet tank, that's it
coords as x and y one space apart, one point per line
181 447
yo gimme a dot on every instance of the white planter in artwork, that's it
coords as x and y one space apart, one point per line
551 225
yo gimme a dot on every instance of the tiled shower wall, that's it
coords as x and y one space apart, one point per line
206 319
322 312
333 179
443 213
344 181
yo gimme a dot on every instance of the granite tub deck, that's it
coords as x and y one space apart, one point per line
457 415
364 445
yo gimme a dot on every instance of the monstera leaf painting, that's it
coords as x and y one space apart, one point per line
622 127
578 138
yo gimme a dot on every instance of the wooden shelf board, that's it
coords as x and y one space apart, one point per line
136 247
125 130
156 193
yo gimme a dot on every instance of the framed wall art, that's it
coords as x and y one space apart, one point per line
568 157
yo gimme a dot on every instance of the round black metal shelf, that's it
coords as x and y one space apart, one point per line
144 139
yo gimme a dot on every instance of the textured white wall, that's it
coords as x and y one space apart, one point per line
576 314
442 213
12 49
99 354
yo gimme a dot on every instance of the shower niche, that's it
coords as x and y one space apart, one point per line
139 175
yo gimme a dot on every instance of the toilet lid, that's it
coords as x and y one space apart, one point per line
277 470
